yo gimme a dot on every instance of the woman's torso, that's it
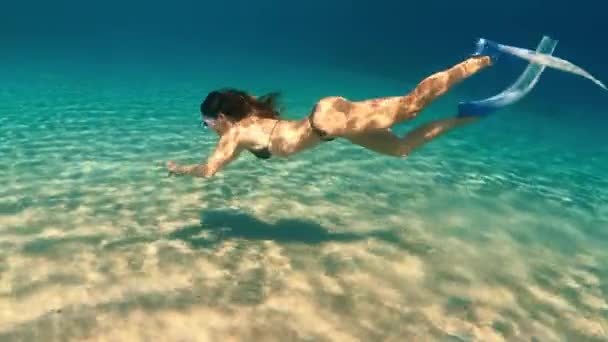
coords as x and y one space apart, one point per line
271 137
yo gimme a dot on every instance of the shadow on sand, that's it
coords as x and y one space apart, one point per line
219 225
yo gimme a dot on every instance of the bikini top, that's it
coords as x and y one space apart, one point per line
264 153
261 153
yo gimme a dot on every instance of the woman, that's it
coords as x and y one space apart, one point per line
244 122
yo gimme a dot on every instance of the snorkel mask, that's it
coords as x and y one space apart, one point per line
208 122
210 108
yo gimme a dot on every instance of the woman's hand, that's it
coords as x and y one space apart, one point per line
173 168
194 170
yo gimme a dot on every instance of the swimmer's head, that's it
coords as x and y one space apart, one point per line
223 108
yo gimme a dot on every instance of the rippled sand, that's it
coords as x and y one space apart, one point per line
464 241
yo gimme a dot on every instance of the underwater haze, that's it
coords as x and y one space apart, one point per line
493 232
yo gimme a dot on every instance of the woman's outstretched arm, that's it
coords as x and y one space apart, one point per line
227 149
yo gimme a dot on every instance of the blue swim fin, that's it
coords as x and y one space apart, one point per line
516 91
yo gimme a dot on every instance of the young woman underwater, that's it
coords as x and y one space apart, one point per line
246 123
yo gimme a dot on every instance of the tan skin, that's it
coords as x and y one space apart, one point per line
365 123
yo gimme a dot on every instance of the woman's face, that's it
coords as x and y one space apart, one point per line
219 123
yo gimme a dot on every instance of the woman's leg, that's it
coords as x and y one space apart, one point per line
339 117
385 142
386 112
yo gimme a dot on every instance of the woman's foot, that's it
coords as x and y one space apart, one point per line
488 48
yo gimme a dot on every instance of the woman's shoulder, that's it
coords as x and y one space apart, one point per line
256 123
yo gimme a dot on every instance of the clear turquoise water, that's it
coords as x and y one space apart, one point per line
493 232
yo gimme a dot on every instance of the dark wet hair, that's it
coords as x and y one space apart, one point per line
237 104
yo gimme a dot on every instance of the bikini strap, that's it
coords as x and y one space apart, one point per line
270 135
